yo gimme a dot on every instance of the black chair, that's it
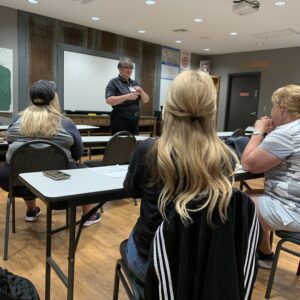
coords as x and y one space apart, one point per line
238 145
238 132
117 151
285 236
2 151
33 156
132 285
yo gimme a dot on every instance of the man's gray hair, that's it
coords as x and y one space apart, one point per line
125 61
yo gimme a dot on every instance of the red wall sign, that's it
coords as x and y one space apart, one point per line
244 94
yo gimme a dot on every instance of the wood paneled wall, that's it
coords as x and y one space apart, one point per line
40 48
44 34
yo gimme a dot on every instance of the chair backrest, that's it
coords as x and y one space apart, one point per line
203 262
238 132
34 156
119 148
237 143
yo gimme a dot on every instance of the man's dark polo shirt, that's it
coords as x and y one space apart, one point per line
119 86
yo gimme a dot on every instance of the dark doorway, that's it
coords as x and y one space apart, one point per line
242 103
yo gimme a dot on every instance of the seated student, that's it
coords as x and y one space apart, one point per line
278 156
186 174
43 120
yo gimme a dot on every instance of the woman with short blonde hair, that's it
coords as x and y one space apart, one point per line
42 120
274 150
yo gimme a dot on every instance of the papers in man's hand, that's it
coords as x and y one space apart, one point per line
115 171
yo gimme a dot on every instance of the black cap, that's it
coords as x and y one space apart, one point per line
42 92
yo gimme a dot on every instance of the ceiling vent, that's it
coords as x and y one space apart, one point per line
180 30
277 34
245 7
84 1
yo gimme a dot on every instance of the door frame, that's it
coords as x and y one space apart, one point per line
229 81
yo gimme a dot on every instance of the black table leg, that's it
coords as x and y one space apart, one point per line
71 258
48 253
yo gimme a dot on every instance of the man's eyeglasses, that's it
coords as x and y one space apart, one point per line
127 68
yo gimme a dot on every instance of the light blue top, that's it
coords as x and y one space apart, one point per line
283 181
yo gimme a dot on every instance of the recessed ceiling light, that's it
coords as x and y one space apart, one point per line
259 43
33 1
198 20
233 33
142 31
95 18
206 49
178 42
150 2
280 3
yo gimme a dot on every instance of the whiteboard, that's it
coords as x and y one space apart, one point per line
85 79
168 73
164 87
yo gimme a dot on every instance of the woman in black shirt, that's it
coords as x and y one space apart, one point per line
124 95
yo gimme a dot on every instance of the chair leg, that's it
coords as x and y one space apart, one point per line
101 209
271 237
241 185
13 215
6 234
298 271
273 270
67 218
117 281
135 201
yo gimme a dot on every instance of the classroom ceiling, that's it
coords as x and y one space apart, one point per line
270 27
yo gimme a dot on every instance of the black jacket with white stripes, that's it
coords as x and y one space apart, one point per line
200 262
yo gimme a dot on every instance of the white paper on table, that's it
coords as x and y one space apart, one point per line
116 174
115 171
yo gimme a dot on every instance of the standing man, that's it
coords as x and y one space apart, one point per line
124 95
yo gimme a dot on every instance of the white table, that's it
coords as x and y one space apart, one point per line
80 127
102 140
88 128
85 186
249 129
96 140
224 134
99 179
88 141
3 127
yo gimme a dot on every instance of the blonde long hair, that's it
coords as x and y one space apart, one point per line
41 120
192 162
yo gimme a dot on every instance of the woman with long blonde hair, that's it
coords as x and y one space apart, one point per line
185 176
191 159
42 120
